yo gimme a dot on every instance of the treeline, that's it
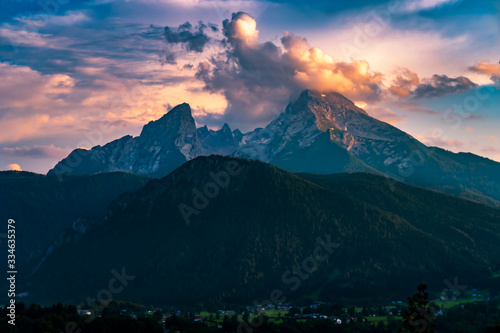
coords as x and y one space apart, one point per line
65 319
471 318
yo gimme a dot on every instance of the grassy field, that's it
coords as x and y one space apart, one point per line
277 316
384 319
274 315
450 304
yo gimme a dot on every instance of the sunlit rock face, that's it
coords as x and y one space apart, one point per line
327 133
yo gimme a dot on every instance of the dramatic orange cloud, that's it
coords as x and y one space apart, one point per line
314 69
484 67
404 83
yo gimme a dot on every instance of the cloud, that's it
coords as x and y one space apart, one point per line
194 39
440 85
63 108
409 106
491 150
384 114
403 6
404 83
15 38
484 67
419 5
167 57
105 59
443 143
314 69
407 84
23 87
14 167
70 18
490 137
241 29
474 117
257 78
35 151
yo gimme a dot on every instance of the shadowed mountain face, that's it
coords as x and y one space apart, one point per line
163 145
50 212
318 133
230 229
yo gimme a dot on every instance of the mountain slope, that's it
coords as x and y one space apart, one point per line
401 199
304 121
254 226
340 137
50 211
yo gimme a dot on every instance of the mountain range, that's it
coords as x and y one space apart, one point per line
192 215
318 133
250 225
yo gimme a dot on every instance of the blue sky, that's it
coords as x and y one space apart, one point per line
81 73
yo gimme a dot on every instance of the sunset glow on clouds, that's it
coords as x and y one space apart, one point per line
14 167
93 65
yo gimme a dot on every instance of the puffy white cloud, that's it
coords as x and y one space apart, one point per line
242 28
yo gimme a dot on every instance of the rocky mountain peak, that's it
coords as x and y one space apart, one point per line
178 121
331 109
203 132
220 142
226 129
332 98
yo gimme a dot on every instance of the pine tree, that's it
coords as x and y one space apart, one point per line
419 316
